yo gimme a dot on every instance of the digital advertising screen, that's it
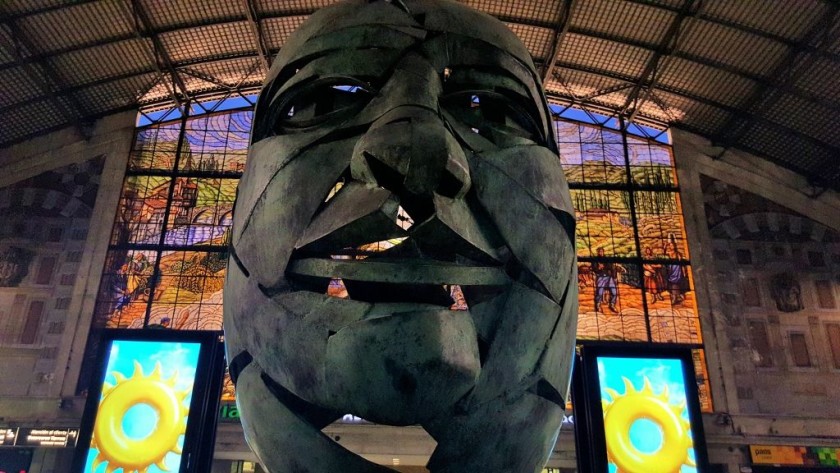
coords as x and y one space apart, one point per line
643 412
151 403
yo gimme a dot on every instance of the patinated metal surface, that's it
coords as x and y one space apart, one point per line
403 244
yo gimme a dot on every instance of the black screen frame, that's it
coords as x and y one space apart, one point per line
589 411
199 438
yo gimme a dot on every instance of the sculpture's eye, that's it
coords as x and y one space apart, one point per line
320 101
491 113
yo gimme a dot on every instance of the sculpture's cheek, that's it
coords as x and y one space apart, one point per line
266 232
403 368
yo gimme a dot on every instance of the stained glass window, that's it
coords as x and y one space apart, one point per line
166 262
167 258
634 273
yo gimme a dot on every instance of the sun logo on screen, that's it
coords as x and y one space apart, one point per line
625 409
121 450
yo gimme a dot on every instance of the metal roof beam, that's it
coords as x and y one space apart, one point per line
559 32
256 31
741 27
770 81
68 91
12 18
205 77
143 28
50 82
670 43
788 70
37 58
706 101
810 175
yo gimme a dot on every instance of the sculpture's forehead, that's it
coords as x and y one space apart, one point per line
360 24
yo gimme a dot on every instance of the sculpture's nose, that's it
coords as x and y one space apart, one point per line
408 150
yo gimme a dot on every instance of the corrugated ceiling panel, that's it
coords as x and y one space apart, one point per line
231 71
289 7
821 79
580 84
696 79
14 7
807 117
634 21
18 87
277 30
604 55
539 11
795 152
537 40
110 60
77 25
696 116
5 56
114 95
208 42
40 115
786 18
835 46
167 14
721 44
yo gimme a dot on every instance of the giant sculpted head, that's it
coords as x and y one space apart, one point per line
403 244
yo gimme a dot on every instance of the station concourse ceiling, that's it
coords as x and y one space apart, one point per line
761 76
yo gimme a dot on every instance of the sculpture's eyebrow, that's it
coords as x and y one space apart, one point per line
482 79
454 51
359 65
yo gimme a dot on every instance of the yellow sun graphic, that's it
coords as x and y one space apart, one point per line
627 408
133 454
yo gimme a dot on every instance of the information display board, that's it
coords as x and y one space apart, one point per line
641 410
155 403
40 437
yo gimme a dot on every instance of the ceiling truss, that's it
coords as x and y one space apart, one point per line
560 33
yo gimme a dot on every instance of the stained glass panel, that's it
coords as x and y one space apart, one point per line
672 305
604 224
155 147
125 289
650 164
217 143
228 389
189 295
704 389
661 227
141 210
200 211
591 155
610 298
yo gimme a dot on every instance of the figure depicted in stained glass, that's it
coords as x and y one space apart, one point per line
420 123
607 275
675 274
654 282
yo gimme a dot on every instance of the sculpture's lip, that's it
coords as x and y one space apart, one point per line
400 271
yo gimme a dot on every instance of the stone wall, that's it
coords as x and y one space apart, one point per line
58 195
766 254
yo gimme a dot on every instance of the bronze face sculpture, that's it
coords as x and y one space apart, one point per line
403 244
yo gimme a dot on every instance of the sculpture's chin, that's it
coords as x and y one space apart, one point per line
403 368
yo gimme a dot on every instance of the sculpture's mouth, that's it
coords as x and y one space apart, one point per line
394 270
367 244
